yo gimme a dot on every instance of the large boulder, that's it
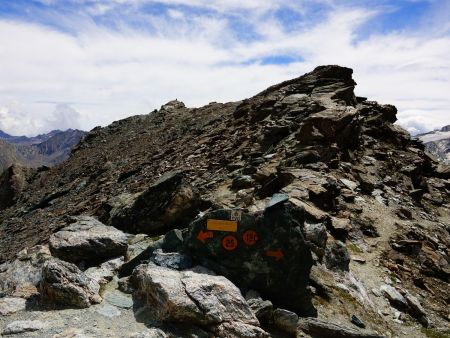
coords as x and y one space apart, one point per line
21 276
167 204
264 251
65 285
88 240
197 297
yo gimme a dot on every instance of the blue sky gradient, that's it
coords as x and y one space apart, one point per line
106 59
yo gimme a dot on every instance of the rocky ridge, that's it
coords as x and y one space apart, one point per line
302 211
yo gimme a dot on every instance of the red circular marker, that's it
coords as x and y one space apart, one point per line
250 237
229 243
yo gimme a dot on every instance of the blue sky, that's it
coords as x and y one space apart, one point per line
82 63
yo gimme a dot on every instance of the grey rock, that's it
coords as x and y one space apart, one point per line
277 199
349 184
337 256
317 328
416 309
150 333
88 240
109 311
285 320
11 305
105 272
239 330
25 271
66 285
173 260
127 268
72 333
137 245
393 295
316 236
118 299
22 326
191 297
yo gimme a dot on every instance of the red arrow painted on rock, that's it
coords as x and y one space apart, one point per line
277 254
204 235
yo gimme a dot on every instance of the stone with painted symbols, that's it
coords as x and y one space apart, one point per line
267 252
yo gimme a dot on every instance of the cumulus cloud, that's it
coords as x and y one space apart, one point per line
106 73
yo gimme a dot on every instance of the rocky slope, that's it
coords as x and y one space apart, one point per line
45 149
232 220
437 143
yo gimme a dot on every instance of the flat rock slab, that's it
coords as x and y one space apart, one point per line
88 240
109 311
317 328
263 251
11 305
118 299
22 326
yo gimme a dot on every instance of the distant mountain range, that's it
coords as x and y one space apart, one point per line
437 143
45 149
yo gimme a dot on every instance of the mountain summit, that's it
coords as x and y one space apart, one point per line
302 210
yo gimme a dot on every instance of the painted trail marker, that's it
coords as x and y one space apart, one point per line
221 225
250 237
277 254
229 243
204 235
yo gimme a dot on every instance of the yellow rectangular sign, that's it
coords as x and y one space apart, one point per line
221 225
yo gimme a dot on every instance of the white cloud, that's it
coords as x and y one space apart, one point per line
105 75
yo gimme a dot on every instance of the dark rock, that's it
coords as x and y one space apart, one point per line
65 285
263 309
88 240
242 182
167 204
173 241
12 181
358 322
337 256
268 250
